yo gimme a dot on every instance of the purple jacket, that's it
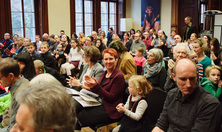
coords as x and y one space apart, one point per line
111 92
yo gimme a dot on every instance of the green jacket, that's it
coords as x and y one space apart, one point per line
210 87
4 103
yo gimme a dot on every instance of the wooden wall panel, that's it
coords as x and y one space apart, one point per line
5 19
187 8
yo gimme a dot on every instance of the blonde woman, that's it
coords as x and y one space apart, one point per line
103 37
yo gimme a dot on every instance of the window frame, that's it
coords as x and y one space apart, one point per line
23 18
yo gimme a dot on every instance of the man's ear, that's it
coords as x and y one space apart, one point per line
174 76
41 71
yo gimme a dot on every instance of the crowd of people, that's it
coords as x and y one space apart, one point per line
34 74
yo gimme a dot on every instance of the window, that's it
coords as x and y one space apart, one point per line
23 18
84 16
108 16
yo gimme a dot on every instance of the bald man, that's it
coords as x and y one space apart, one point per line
189 107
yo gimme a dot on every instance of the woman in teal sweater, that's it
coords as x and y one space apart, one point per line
210 83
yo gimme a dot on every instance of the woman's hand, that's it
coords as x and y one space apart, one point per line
120 108
72 81
90 82
85 87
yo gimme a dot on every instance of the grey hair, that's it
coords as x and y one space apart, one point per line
44 78
52 107
181 45
94 32
158 54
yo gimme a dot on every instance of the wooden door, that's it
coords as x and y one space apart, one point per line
187 8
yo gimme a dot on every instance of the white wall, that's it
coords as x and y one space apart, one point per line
166 16
59 16
133 10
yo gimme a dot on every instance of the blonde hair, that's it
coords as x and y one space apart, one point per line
28 39
20 38
209 68
202 43
140 50
44 43
39 64
141 84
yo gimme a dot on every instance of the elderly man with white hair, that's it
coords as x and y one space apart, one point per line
180 51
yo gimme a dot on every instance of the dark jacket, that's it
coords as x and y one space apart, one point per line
159 79
47 59
111 92
8 42
35 55
61 78
192 30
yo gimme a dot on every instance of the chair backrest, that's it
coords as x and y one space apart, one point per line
155 101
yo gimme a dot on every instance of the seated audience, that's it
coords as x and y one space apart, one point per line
59 55
211 82
170 39
147 40
74 36
45 56
62 32
91 68
65 45
44 108
200 46
4 43
154 69
82 38
127 42
95 37
135 107
45 38
32 52
159 42
89 41
38 42
189 107
180 51
137 43
102 36
110 89
101 47
53 46
214 51
11 77
177 39
207 38
139 59
75 58
26 41
193 37
193 56
26 65
109 36
41 68
20 46
126 64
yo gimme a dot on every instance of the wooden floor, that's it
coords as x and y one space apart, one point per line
107 128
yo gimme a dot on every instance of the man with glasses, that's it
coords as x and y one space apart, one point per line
4 43
137 43
10 77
